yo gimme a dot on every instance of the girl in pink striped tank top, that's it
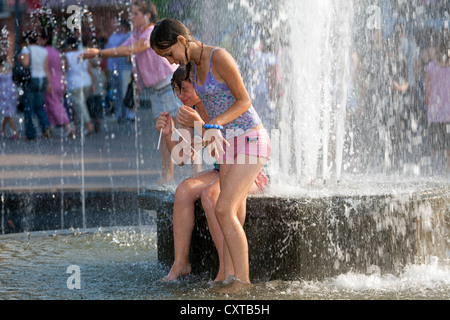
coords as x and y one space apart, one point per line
221 89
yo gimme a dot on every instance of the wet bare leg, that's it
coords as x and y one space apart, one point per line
167 164
236 181
187 193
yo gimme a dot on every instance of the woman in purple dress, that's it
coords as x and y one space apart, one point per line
54 108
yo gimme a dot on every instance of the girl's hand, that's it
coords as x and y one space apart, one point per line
164 123
214 143
187 117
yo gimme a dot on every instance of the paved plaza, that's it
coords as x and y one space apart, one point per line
121 157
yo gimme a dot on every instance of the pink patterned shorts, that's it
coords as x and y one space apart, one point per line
253 143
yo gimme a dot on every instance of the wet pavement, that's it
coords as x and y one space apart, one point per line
121 157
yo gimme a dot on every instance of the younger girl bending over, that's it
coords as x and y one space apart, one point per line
203 185
220 87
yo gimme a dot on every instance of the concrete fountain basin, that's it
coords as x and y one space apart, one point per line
322 234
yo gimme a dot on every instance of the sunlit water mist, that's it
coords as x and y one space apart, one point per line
315 69
121 263
312 99
306 112
331 113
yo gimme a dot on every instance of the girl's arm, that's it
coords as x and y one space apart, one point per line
65 63
200 108
187 117
121 51
66 68
225 70
24 59
166 124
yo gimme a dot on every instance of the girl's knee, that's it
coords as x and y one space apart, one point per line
209 198
183 194
222 211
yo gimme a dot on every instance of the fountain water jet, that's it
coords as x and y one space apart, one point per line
315 78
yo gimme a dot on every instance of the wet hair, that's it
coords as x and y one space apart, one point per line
46 34
165 34
179 76
72 42
30 37
147 7
124 23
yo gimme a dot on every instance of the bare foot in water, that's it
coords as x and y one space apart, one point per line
220 276
234 287
177 271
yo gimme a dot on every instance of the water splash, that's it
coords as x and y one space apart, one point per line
329 124
119 263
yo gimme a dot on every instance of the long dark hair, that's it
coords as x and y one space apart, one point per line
180 75
165 34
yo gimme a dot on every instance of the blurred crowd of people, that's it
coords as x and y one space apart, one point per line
76 77
399 102
61 90
399 95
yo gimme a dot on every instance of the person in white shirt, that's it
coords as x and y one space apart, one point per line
79 83
35 57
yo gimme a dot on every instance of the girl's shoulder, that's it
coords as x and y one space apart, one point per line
219 53
221 58
143 33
